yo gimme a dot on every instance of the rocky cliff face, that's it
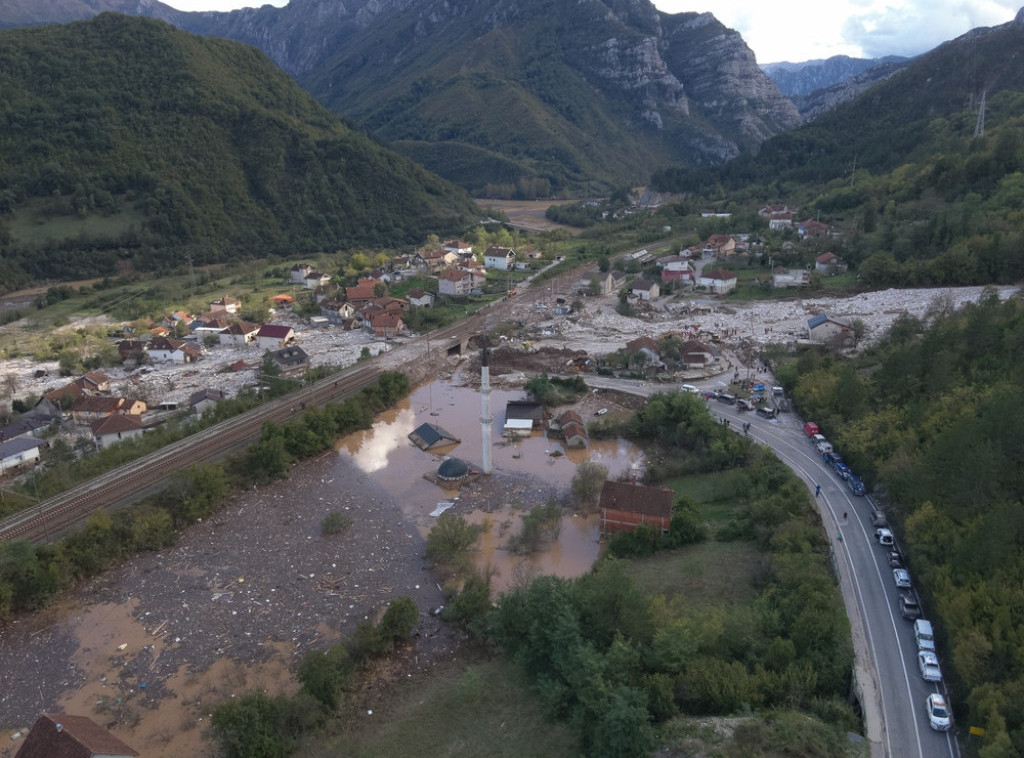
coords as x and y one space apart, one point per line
570 91
829 98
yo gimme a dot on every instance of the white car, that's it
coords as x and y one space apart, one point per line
601 412
902 578
939 717
929 665
884 536
689 388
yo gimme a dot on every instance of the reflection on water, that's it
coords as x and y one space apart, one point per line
370 449
385 452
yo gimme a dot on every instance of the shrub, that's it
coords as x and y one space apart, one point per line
399 620
335 523
325 675
451 539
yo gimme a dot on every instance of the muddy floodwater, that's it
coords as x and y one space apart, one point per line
148 648
542 466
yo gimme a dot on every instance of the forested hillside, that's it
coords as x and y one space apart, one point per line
933 417
925 191
127 144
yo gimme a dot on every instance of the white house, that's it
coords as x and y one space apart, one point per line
790 277
499 258
645 289
299 271
225 303
455 282
718 280
113 429
19 452
419 298
273 336
315 279
825 328
238 333
201 401
829 264
164 349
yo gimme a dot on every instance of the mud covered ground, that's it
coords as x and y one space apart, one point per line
148 648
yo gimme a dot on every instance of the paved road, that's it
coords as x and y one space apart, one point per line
892 689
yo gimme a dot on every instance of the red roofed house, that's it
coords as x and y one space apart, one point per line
625 506
829 264
419 298
718 280
454 282
170 349
238 333
113 429
359 295
273 336
386 325
228 304
722 245
61 735
812 228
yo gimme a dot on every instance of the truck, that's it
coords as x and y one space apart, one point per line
810 429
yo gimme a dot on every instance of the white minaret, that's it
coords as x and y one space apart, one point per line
485 410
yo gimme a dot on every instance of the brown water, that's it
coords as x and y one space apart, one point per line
386 453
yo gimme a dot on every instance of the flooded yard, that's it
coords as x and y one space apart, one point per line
150 647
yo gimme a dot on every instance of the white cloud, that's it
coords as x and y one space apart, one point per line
220 5
800 30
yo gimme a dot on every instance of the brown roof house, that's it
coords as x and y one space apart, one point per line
113 429
625 506
60 735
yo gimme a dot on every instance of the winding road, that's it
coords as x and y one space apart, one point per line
890 687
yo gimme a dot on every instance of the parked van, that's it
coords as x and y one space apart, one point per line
925 635
727 399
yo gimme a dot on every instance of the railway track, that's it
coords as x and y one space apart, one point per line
48 519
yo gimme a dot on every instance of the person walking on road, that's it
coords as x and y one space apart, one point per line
817 490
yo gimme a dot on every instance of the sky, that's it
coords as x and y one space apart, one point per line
802 30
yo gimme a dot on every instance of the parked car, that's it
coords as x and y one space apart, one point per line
910 607
765 412
902 578
924 635
689 388
878 518
744 405
601 412
928 663
725 397
895 559
939 717
884 537
856 485
835 460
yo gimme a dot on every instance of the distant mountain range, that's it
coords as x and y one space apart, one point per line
800 79
526 97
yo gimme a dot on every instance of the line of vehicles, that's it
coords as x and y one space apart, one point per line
936 706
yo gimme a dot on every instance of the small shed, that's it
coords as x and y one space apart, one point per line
428 436
626 505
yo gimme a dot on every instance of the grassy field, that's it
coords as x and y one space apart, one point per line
459 712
